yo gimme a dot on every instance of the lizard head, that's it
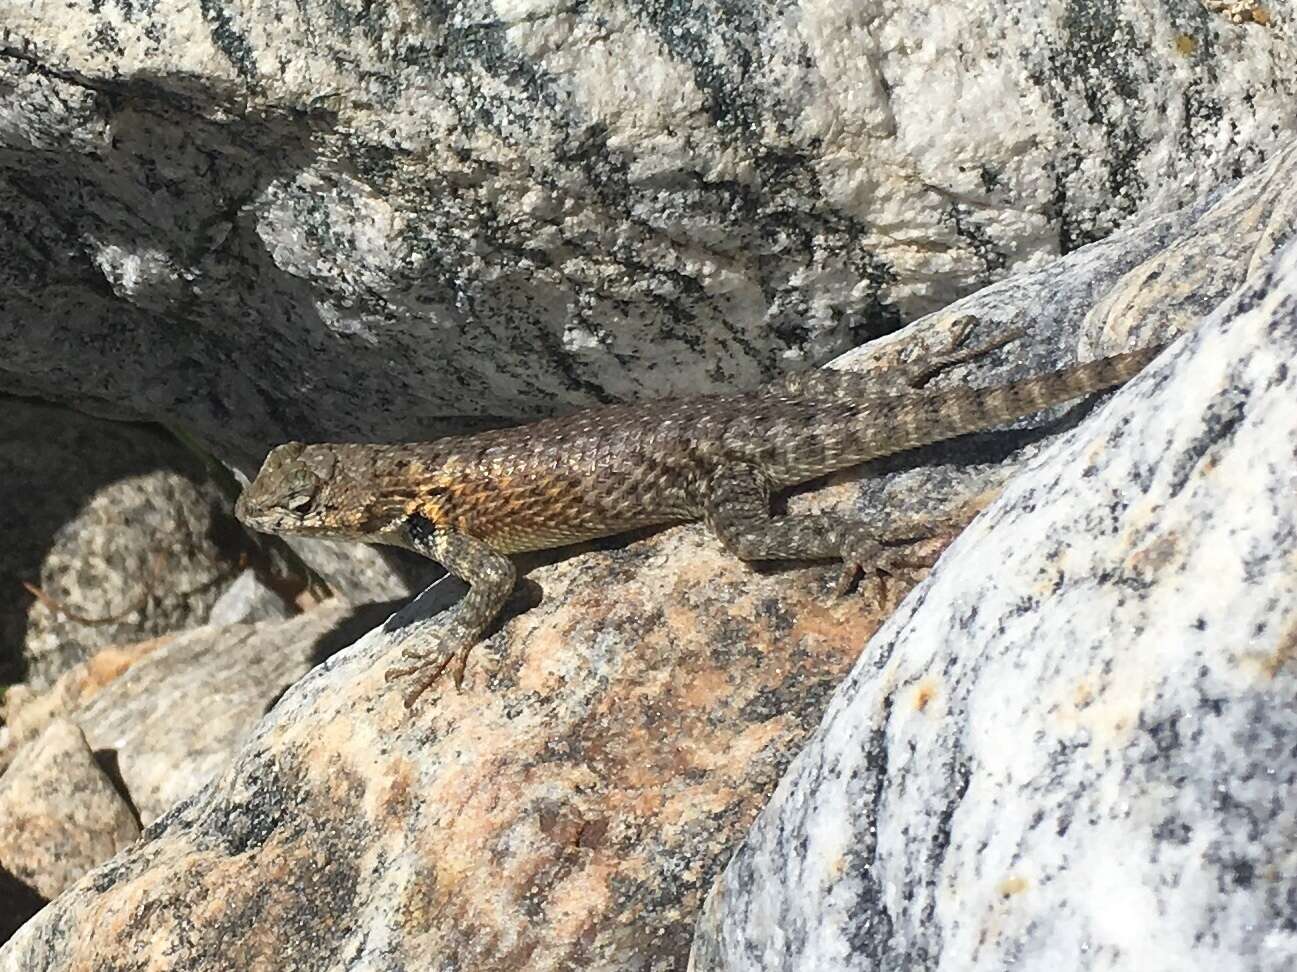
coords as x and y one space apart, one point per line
319 489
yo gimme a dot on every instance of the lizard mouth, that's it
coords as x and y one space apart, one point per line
247 512
252 514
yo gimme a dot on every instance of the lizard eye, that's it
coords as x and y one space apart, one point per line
300 503
301 489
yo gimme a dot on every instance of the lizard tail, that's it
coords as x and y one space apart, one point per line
957 411
838 433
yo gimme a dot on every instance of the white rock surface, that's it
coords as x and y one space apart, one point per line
1072 746
311 220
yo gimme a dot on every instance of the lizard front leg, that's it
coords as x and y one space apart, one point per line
490 576
737 509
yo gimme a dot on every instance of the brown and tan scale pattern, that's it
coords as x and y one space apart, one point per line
468 502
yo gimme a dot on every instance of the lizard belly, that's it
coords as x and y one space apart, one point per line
540 513
521 537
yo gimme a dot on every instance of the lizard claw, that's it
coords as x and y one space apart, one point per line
863 555
429 665
860 554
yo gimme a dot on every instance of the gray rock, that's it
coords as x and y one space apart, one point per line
247 601
1143 285
174 718
571 806
118 525
60 814
361 573
27 712
309 221
1072 746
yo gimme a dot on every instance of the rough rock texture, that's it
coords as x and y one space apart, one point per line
117 523
1072 748
173 710
175 717
1143 285
246 601
163 717
26 712
283 220
569 808
60 814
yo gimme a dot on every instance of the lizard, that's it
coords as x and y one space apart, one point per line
468 502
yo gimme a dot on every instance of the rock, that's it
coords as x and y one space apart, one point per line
358 572
307 221
1071 748
118 526
18 903
60 815
163 717
570 807
247 601
172 710
174 718
27 712
1144 285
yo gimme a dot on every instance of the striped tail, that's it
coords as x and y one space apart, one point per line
945 414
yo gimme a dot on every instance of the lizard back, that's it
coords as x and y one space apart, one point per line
602 471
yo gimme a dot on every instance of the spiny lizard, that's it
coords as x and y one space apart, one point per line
468 502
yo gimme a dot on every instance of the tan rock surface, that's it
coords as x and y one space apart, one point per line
60 814
175 719
567 809
27 712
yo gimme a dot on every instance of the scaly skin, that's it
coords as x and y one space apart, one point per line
467 502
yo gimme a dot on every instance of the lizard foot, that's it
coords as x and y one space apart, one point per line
955 353
429 665
864 555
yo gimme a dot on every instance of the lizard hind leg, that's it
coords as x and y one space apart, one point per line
956 354
864 553
737 509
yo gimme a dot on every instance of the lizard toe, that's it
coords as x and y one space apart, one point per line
428 665
861 554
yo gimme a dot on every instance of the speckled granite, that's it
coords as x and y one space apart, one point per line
60 814
117 523
310 219
1073 746
568 809
175 718
572 806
